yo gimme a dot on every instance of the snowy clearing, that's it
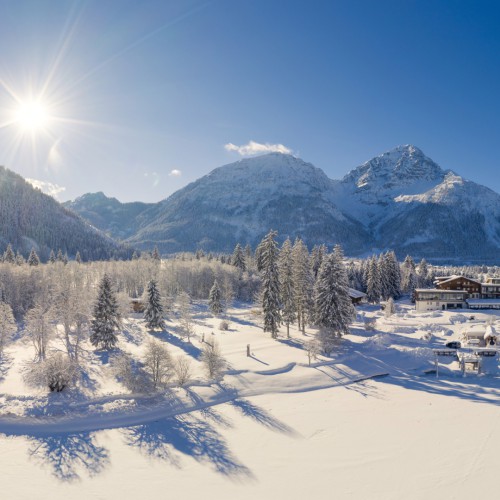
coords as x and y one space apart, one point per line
366 423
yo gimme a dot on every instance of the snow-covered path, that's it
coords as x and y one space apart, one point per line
291 378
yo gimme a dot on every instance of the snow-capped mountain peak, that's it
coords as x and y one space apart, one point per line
401 166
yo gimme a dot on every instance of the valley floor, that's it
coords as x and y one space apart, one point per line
365 424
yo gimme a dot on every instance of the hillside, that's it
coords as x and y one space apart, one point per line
30 218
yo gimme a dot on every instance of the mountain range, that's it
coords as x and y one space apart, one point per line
400 200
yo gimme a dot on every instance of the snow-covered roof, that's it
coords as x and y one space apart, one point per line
490 332
483 302
439 290
356 294
452 278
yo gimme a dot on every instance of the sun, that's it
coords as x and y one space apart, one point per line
32 116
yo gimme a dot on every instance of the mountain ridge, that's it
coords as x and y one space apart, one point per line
30 218
400 199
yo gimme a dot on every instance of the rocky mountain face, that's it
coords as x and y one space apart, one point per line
29 218
400 200
408 203
118 220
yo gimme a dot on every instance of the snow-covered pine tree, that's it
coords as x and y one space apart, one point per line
422 271
394 274
78 258
9 257
316 258
153 314
373 281
106 316
286 285
33 259
384 278
19 259
303 282
268 264
248 256
156 254
215 299
60 256
238 258
407 270
52 257
333 309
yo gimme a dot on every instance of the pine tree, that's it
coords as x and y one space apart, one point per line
106 317
422 273
60 257
373 282
19 259
78 258
238 259
215 300
268 264
384 278
407 270
52 257
153 314
33 259
333 309
391 266
248 255
316 258
156 254
303 283
9 256
286 284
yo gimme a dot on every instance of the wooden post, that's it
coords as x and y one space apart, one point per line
248 350
437 366
203 337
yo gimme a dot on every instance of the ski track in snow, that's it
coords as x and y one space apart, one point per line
339 375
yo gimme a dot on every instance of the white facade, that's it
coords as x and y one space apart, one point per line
436 299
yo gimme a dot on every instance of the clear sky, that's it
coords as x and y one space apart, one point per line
138 98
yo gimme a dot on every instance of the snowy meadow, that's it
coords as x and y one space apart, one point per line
193 396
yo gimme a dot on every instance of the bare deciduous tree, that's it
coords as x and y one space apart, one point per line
158 362
213 361
182 370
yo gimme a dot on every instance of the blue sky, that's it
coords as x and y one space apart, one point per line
144 95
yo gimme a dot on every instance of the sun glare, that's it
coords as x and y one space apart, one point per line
32 116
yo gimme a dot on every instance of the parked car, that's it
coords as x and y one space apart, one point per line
454 344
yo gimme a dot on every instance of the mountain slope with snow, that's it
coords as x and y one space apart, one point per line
400 200
407 202
30 218
119 220
241 201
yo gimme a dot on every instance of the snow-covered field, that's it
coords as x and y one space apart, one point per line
367 423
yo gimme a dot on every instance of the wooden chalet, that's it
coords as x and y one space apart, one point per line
468 285
357 297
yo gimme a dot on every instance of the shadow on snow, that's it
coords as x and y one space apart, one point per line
68 455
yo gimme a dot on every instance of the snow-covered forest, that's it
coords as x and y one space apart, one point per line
191 359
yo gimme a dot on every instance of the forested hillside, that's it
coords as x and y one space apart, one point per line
30 218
